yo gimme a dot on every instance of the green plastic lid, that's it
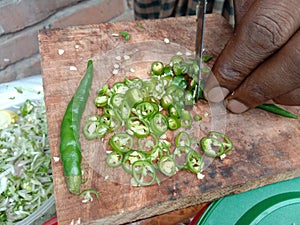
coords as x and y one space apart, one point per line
277 204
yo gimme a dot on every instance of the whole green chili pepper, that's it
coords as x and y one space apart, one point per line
70 149
277 110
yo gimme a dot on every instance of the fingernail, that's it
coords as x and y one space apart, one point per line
236 106
217 94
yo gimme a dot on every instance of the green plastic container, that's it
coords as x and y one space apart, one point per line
275 204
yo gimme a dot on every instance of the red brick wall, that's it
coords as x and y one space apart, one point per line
20 22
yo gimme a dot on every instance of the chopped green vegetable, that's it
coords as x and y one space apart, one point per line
125 34
25 165
26 108
197 117
206 58
144 112
87 195
19 90
140 25
157 68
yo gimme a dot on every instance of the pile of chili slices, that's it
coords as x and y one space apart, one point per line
137 115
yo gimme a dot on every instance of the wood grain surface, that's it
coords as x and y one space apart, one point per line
266 146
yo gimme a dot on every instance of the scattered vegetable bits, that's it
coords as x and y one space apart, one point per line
137 115
25 163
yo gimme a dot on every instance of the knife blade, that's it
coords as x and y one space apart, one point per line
200 41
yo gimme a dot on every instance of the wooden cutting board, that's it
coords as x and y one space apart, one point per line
266 146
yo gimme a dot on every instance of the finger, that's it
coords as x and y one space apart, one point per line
290 98
277 76
263 30
240 9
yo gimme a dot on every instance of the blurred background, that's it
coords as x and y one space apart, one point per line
21 20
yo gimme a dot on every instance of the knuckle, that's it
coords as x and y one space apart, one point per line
272 25
266 33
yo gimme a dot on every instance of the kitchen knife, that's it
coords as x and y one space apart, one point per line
200 41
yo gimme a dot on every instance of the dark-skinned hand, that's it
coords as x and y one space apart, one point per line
261 62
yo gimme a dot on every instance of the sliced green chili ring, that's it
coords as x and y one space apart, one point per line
157 68
90 129
121 142
180 154
131 157
133 83
159 124
177 95
117 99
148 86
119 88
226 142
177 69
115 123
143 173
147 144
173 123
194 161
106 120
212 147
166 101
184 67
189 98
173 111
114 159
159 89
134 96
182 139
175 92
186 119
146 109
107 111
166 80
168 72
165 147
155 154
171 89
167 166
104 90
125 110
101 101
180 81
176 59
137 126
102 130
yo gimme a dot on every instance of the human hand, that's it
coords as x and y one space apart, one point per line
261 62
